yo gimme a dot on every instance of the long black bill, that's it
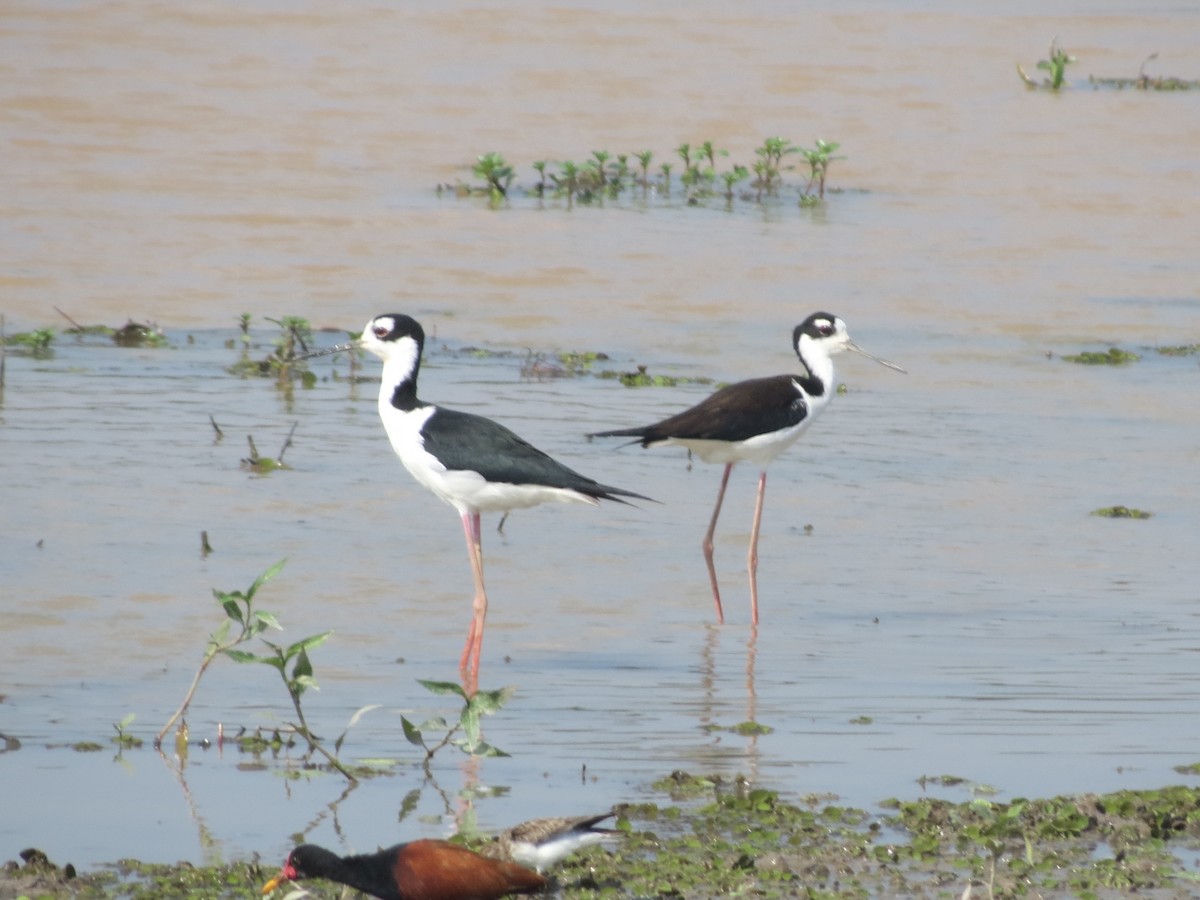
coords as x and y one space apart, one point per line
328 351
850 345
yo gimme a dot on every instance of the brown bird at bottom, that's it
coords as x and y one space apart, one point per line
418 870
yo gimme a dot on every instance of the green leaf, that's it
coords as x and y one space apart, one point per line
222 632
470 724
233 609
308 643
303 667
268 619
411 732
485 749
302 683
488 702
243 657
443 687
265 577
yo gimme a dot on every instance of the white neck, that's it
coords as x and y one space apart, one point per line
399 365
816 358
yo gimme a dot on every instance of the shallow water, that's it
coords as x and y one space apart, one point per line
954 609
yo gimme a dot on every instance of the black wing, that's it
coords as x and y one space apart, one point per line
735 413
468 442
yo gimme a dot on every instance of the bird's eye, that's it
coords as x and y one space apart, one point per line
380 332
825 329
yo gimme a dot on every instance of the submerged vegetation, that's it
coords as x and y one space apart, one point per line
695 174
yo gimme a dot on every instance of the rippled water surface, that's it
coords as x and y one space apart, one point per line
953 608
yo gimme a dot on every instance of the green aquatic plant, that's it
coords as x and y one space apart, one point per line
243 623
1114 356
665 168
1178 350
475 707
1056 65
496 174
605 175
285 362
1120 512
641 377
732 177
123 738
644 157
709 152
770 168
818 157
566 182
264 465
36 343
596 166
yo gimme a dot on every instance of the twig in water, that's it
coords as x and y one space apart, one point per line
287 443
74 324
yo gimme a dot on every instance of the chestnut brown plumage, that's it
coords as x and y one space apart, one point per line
419 870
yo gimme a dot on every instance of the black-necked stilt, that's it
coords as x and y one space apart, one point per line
754 421
541 844
474 464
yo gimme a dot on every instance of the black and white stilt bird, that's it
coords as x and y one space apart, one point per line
474 464
754 421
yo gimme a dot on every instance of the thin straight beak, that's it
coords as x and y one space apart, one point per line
883 362
338 348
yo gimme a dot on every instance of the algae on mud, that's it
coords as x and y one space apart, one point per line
713 837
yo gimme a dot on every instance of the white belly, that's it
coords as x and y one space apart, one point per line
465 490
759 450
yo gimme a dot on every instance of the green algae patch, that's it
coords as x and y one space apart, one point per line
1113 356
1120 512
1178 350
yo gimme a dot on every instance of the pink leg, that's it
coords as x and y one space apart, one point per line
752 558
707 546
469 663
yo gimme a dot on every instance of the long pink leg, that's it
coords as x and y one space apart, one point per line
752 558
474 645
708 543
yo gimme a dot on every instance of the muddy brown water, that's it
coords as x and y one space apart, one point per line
954 609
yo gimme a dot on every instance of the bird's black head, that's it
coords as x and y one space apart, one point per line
391 327
818 326
398 340
309 861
